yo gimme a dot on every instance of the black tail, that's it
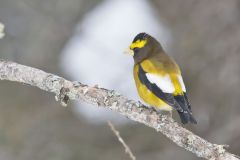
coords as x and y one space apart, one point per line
186 113
187 117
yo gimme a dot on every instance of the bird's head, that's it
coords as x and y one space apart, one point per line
143 46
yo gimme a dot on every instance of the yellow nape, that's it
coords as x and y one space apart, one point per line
138 44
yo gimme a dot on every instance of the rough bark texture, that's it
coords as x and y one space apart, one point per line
66 90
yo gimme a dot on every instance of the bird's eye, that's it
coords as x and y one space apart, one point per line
136 50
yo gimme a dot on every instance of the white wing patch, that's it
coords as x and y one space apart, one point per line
181 83
163 82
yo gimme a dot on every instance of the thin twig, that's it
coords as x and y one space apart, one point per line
66 90
127 149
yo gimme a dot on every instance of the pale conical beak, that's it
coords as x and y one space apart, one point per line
129 51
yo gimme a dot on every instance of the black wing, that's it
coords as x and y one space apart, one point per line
166 97
179 102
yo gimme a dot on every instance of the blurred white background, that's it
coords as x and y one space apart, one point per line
94 55
84 40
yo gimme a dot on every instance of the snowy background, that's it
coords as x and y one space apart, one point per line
84 40
94 55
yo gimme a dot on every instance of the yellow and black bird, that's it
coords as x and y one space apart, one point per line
158 77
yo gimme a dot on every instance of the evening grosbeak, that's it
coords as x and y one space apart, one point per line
158 77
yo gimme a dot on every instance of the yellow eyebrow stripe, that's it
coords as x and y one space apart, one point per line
138 44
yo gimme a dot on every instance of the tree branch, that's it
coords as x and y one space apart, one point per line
66 90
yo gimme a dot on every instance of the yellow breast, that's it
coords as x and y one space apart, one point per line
146 95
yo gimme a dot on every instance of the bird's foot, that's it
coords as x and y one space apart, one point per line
166 113
152 109
170 114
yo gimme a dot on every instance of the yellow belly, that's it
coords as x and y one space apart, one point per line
147 96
